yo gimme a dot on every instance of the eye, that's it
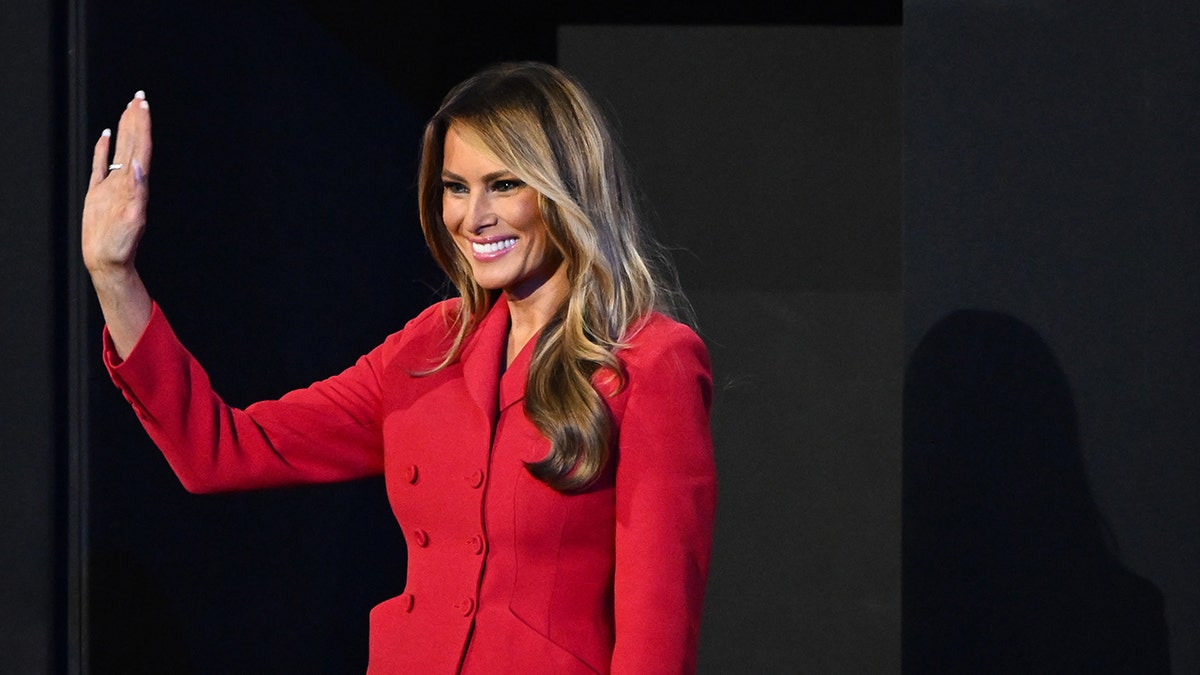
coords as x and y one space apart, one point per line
454 187
507 185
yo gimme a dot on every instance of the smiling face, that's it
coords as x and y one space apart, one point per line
495 221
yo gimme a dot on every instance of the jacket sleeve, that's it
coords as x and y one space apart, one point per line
665 502
327 432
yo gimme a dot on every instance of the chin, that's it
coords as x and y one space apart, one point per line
491 283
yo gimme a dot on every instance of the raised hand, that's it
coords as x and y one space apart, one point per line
114 218
114 211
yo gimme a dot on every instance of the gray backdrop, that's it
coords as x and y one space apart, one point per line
771 159
1051 160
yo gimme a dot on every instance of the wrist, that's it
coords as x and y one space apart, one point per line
112 275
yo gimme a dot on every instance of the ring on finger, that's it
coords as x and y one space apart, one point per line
114 167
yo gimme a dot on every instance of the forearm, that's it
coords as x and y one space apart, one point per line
329 431
126 306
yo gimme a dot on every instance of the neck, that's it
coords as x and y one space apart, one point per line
530 313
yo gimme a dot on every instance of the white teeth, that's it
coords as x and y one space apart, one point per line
494 246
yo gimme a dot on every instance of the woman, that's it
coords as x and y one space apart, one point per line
543 436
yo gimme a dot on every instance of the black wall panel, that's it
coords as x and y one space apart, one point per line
29 445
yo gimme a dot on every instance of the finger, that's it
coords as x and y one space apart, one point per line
125 129
100 159
142 141
137 132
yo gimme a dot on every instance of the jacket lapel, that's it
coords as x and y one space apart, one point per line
481 360
512 384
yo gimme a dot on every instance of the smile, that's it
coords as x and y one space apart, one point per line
492 249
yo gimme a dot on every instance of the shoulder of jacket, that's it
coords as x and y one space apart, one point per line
429 330
662 359
657 336
440 316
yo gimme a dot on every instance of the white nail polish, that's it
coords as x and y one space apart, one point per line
106 133
140 94
145 105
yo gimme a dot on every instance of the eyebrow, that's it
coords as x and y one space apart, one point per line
450 175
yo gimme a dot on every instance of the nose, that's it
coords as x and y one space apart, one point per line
480 213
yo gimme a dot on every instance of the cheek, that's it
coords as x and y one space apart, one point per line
527 218
451 214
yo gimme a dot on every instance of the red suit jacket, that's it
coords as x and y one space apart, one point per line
505 575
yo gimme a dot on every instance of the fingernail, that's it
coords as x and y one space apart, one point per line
140 94
145 105
138 174
129 105
106 133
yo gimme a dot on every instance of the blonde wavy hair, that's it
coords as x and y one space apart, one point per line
546 130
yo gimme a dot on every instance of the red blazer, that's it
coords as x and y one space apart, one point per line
505 575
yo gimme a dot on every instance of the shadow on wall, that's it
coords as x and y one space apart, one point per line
1008 565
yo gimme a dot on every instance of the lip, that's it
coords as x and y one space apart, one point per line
479 252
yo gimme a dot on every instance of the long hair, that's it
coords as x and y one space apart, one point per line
544 128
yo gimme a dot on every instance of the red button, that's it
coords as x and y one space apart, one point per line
421 538
476 544
406 601
410 473
466 606
476 478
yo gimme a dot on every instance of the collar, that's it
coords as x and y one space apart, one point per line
482 358
512 383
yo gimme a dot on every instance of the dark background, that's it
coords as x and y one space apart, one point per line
1050 181
1049 177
